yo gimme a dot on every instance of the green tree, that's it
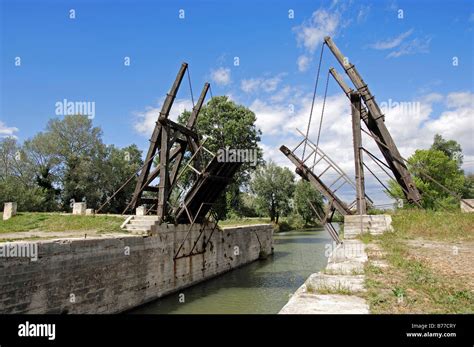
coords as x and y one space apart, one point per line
305 193
44 162
119 165
449 147
17 180
228 125
79 146
440 167
468 191
273 186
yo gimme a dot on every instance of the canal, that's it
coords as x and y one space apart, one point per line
260 287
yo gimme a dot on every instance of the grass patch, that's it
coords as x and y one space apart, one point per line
339 289
366 238
409 285
432 225
60 222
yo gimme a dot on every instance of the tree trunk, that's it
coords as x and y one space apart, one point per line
272 211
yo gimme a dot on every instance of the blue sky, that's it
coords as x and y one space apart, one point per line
407 59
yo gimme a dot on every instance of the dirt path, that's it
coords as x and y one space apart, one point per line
452 259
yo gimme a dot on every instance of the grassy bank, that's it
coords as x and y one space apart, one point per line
60 222
57 222
429 264
430 225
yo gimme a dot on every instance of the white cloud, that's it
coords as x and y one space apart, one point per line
249 85
457 123
311 32
391 43
401 46
432 97
145 120
270 117
303 62
273 153
412 47
460 99
221 76
265 84
6 131
412 128
363 13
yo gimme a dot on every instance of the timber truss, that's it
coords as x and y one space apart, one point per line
316 164
366 110
180 179
172 141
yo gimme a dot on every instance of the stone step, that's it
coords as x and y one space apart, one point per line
142 222
349 250
155 218
136 227
325 304
345 268
320 282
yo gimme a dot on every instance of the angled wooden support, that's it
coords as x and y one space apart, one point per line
375 123
156 139
308 175
358 160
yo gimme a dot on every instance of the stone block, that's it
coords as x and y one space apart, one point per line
9 210
90 212
140 211
466 205
79 208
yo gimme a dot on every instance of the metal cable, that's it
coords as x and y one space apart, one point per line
322 116
314 97
210 90
190 86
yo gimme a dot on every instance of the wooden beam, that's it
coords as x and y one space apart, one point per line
307 174
164 174
156 136
178 127
358 160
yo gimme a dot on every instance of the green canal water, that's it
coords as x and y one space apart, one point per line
263 286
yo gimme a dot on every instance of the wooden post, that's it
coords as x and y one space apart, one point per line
163 186
156 137
358 160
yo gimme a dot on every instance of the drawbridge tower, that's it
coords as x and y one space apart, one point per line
180 179
364 110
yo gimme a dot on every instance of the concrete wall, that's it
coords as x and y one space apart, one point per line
354 225
111 275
